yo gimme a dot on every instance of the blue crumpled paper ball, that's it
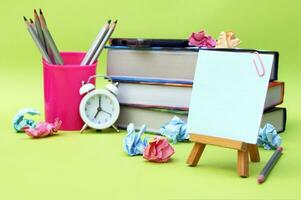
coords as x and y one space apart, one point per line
19 121
268 137
175 130
133 144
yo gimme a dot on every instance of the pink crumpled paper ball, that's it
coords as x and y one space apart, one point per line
200 39
158 150
43 129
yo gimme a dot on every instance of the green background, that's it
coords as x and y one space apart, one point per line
94 166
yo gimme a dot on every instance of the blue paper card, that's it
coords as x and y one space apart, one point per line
228 94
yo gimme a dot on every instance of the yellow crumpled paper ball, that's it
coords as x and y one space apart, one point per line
227 40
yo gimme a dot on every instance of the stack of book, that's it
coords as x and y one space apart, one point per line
155 84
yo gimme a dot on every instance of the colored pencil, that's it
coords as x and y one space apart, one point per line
269 166
38 28
42 18
49 41
104 41
33 27
48 49
30 28
96 43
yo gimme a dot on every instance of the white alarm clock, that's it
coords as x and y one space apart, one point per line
99 108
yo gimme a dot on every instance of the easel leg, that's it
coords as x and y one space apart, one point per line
243 163
254 153
195 154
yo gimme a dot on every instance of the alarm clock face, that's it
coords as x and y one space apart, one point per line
99 109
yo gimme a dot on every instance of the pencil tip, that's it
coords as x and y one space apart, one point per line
41 11
109 21
35 11
24 18
31 21
115 22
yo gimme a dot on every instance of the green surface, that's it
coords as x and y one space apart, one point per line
93 166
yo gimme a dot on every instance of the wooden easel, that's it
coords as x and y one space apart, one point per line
243 151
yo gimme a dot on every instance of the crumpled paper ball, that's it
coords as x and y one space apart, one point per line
132 143
43 129
20 122
158 150
200 39
268 137
227 40
175 130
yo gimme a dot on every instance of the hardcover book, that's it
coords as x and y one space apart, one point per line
155 118
177 96
173 64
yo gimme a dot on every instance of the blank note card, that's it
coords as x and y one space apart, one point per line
228 94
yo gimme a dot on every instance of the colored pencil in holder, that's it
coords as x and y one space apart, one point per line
30 28
103 42
99 38
48 49
49 41
39 28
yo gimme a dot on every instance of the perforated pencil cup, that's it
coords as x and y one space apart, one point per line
61 89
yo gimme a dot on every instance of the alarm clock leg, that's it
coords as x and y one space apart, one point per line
116 129
83 128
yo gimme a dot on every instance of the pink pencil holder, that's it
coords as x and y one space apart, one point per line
61 89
